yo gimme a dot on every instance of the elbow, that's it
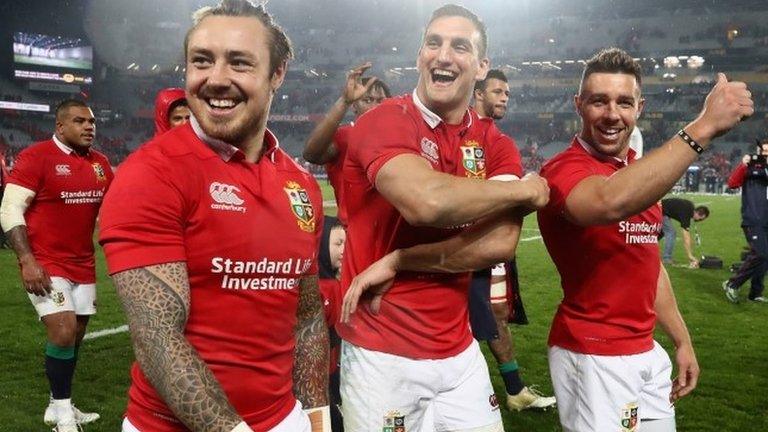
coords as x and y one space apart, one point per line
426 212
309 156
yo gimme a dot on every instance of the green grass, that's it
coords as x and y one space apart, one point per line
730 341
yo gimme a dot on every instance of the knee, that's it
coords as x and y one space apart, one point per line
62 332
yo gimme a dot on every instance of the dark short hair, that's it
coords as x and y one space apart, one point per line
702 210
177 103
492 74
280 49
451 10
379 84
67 104
612 60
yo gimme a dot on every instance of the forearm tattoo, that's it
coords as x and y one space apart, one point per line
156 302
310 366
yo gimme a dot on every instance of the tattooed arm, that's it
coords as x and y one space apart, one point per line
156 302
310 366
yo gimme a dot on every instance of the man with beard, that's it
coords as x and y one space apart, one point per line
495 291
601 228
49 213
211 234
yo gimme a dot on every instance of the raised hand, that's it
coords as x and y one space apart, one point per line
726 105
354 88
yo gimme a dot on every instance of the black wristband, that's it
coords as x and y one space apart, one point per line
690 141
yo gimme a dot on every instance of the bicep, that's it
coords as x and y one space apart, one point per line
586 203
154 297
403 179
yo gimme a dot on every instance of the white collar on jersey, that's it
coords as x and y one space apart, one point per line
600 156
431 118
226 150
63 147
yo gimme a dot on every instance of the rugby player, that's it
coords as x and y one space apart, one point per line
211 234
49 213
415 173
493 291
601 228
328 142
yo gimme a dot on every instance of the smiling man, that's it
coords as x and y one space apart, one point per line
601 228
48 214
416 173
225 315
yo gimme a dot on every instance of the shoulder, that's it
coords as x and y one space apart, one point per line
392 109
568 157
39 148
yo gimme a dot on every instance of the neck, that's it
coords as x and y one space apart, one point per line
77 149
450 115
253 146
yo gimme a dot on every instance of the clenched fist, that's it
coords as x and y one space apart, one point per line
537 189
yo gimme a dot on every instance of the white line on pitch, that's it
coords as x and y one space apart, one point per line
530 238
106 332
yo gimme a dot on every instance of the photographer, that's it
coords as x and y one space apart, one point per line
752 176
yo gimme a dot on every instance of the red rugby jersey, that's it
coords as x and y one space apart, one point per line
424 315
609 273
60 220
247 232
334 170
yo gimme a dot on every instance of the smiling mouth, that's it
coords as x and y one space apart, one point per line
610 133
222 104
443 76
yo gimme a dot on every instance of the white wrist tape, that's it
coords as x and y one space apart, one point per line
242 427
505 177
16 199
319 416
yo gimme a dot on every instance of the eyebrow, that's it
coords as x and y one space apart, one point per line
228 53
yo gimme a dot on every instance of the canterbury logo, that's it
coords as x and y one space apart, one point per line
225 194
63 170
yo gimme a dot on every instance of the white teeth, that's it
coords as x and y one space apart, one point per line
443 73
222 103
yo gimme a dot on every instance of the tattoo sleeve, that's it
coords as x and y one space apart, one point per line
156 302
310 365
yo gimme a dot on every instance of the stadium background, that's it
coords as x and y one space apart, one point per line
136 50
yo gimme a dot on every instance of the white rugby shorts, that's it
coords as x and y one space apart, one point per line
385 392
296 421
611 393
66 296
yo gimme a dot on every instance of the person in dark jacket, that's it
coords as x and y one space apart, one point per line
752 176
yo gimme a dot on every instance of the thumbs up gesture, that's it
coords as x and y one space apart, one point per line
726 105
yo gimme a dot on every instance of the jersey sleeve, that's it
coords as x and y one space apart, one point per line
142 218
27 171
505 158
563 175
380 135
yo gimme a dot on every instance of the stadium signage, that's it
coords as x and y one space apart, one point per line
19 106
53 76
